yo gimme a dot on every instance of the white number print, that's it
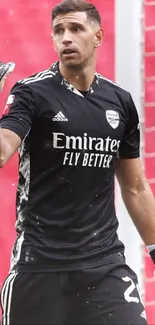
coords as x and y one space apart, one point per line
130 289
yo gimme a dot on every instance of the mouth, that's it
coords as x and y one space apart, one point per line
69 52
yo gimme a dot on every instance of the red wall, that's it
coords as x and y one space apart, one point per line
149 109
25 39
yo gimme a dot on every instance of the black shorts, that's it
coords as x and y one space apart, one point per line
82 297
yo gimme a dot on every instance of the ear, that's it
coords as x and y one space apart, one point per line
99 37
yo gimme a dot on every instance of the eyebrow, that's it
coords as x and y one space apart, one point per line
71 23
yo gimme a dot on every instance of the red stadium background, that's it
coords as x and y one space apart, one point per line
25 28
149 118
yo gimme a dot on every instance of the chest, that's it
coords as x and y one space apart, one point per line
74 130
90 118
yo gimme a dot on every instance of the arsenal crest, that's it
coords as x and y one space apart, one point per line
112 118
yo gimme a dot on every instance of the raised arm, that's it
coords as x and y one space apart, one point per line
17 118
9 143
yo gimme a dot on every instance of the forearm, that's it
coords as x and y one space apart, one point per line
4 149
141 208
5 69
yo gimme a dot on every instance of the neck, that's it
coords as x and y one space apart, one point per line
81 79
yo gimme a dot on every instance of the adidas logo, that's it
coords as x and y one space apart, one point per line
60 117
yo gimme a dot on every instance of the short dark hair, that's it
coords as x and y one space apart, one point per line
66 6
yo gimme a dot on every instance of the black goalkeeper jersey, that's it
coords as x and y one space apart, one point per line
66 216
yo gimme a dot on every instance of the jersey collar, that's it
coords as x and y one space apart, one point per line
55 70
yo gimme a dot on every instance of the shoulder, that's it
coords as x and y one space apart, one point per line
39 77
32 84
118 90
118 95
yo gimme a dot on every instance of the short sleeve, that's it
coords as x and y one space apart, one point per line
130 145
19 111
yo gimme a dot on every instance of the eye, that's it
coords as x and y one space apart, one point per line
76 28
58 31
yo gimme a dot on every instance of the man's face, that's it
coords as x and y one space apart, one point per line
75 38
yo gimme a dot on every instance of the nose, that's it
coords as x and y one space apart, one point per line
67 37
